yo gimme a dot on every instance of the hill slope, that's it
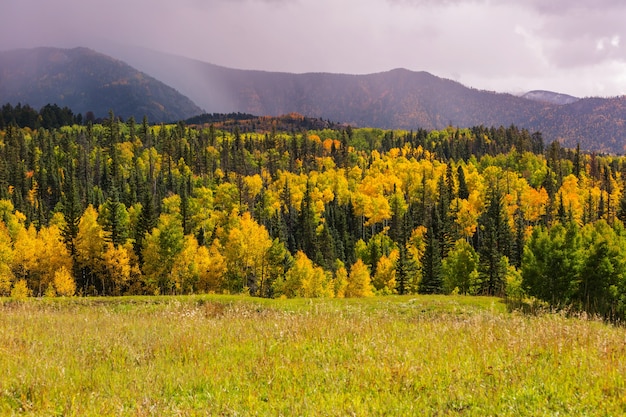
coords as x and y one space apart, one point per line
85 80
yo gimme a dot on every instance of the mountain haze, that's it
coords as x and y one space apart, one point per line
84 81
550 97
399 99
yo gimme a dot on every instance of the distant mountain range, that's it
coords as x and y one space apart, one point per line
85 81
398 99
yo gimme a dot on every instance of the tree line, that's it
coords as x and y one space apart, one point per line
50 116
132 208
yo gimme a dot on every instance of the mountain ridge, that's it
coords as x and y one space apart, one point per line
87 81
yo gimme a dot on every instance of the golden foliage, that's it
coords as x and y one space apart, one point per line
20 290
64 283
359 281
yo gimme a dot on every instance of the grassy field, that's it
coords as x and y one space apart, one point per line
219 355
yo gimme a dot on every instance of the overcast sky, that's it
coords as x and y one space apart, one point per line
576 47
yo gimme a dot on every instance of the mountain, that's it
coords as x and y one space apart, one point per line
550 97
399 99
598 124
85 80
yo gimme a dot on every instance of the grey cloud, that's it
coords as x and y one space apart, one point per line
584 37
469 38
587 52
560 7
543 6
556 12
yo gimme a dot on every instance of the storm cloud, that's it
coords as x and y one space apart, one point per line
576 47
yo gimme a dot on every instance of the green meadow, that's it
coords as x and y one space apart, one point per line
240 356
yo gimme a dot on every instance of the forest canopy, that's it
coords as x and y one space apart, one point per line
131 208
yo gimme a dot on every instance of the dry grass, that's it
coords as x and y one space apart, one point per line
241 356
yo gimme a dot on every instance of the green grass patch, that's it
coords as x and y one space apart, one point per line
231 355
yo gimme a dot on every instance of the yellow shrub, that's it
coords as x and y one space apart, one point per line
20 290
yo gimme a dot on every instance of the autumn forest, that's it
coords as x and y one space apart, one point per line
125 207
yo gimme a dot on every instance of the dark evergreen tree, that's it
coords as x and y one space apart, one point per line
520 240
114 220
621 210
447 232
577 161
396 230
561 212
402 273
148 218
494 242
463 190
432 280
306 236
72 211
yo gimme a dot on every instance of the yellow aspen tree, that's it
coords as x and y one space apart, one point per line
52 256
534 203
466 217
117 267
13 220
6 280
384 279
227 197
211 268
162 246
64 283
152 267
377 210
20 290
246 249
340 282
90 244
359 281
253 185
185 271
339 184
304 279
6 260
417 243
26 248
571 195
50 290
201 209
416 246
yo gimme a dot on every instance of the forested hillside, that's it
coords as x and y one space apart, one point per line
87 82
127 208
